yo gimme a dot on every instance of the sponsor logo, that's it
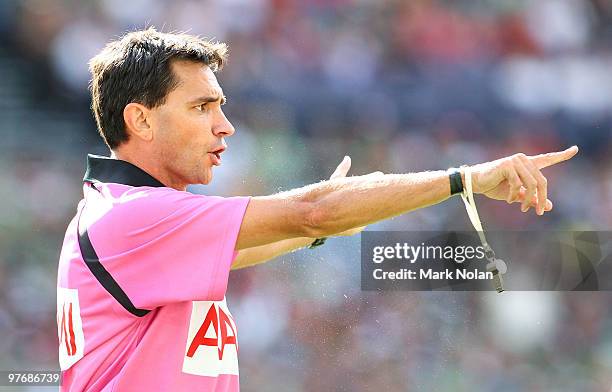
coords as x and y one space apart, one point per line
69 327
212 345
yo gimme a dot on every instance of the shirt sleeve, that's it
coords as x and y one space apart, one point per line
163 246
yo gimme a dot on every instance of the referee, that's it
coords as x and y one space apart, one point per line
144 265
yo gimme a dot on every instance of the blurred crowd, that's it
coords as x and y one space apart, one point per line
400 86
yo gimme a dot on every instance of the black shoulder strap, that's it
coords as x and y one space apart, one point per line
102 275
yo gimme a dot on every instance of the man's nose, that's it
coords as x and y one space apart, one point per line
223 127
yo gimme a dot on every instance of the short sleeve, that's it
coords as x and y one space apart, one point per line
163 246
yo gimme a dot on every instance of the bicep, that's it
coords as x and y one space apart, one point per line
272 218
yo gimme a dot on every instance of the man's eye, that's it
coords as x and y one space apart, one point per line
201 107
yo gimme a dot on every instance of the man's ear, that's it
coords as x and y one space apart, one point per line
137 121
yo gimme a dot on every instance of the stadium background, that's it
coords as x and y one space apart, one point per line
398 85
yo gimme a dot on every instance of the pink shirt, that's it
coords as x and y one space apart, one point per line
147 311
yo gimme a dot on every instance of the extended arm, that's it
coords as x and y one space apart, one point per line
330 207
337 205
260 254
346 204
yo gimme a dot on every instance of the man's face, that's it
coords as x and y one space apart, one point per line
190 127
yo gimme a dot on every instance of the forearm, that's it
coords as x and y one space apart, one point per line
357 201
334 206
261 254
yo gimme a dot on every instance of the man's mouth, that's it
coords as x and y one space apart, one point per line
216 155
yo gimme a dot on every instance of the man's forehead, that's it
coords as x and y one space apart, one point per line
196 77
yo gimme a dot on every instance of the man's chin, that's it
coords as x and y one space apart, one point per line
207 177
201 180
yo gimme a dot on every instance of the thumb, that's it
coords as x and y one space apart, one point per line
342 168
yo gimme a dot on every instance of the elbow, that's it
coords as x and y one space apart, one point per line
315 220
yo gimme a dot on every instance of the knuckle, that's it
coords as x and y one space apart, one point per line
531 185
520 155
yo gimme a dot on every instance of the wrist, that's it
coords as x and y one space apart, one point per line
475 177
456 178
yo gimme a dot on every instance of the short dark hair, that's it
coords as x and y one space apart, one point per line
137 68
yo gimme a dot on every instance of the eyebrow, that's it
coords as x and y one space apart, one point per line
206 99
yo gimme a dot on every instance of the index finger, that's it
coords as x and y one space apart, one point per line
552 158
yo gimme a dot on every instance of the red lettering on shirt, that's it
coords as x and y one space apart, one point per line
219 321
224 321
68 331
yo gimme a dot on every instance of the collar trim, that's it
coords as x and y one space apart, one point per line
105 169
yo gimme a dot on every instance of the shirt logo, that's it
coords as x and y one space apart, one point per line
69 327
212 343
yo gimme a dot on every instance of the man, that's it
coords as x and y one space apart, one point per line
144 265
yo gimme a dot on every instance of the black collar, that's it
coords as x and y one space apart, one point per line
104 169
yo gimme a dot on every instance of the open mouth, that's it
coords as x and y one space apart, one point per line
216 158
216 155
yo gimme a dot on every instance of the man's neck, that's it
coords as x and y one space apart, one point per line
154 170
